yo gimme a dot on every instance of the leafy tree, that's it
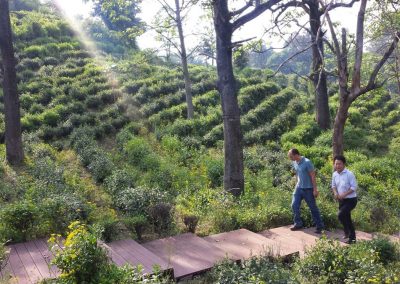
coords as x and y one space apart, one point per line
121 17
24 5
14 151
240 57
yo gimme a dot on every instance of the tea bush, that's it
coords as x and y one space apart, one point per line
328 262
19 220
261 269
81 260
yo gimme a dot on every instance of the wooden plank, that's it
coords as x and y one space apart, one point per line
28 263
115 257
144 253
129 257
38 259
187 253
301 240
47 255
243 244
19 273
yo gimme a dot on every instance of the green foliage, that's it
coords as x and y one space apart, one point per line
101 166
328 262
261 269
160 215
140 154
136 224
120 180
137 200
3 255
215 171
304 133
81 260
19 219
58 211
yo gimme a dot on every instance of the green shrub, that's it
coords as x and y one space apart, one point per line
29 63
304 133
250 96
57 211
51 117
139 154
328 262
136 224
20 219
50 61
33 51
120 180
215 172
94 102
100 166
3 255
262 269
160 215
107 228
137 200
81 260
279 125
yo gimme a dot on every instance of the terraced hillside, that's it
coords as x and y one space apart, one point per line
111 144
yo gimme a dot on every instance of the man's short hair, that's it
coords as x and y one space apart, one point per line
340 158
294 151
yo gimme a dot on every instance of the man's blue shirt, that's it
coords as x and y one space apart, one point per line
303 168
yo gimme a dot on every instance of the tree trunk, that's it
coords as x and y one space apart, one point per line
233 170
318 73
188 83
338 126
14 151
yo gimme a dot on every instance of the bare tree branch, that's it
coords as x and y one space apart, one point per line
241 10
209 55
258 10
371 82
282 8
288 59
346 5
239 42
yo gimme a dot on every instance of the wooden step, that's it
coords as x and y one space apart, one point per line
306 238
188 254
243 244
130 252
29 263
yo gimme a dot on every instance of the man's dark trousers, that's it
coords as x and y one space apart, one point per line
344 215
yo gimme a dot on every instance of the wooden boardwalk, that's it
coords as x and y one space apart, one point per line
188 254
180 256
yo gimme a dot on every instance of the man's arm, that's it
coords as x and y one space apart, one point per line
314 183
334 189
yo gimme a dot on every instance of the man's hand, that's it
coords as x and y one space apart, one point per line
315 192
336 196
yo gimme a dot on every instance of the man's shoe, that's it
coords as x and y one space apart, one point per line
350 241
296 228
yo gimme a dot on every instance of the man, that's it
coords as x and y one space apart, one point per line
306 188
344 187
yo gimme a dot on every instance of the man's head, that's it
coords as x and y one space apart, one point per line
294 154
339 163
